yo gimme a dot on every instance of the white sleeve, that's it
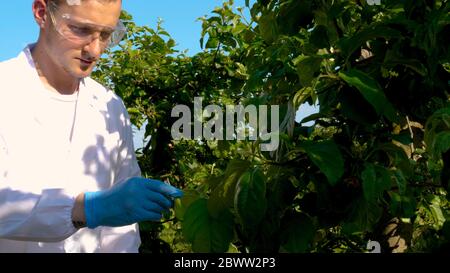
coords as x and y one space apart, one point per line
127 238
127 166
45 217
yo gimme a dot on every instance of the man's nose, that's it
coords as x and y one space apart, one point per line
94 48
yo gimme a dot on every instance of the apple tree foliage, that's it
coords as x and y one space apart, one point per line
375 164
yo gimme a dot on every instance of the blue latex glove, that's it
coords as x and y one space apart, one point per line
134 200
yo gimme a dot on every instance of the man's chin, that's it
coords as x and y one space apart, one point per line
81 73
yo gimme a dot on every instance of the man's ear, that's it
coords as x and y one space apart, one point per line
40 12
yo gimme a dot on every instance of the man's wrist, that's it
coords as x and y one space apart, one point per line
78 224
78 215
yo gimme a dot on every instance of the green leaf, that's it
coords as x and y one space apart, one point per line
351 44
250 199
268 27
298 231
181 204
369 178
212 43
134 111
400 180
398 158
327 157
171 43
164 33
355 107
402 206
222 196
436 212
371 91
394 58
437 133
307 66
294 15
207 233
263 240
314 117
442 142
376 180
301 96
362 218
319 37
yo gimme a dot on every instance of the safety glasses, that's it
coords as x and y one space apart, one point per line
82 31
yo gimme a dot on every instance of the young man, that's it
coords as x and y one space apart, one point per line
69 179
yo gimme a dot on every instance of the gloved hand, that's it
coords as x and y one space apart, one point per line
134 200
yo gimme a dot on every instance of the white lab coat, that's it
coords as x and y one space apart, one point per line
41 174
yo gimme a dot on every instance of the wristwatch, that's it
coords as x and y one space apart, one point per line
79 224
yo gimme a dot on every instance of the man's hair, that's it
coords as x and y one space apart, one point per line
57 2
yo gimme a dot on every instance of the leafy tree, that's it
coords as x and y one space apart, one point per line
375 164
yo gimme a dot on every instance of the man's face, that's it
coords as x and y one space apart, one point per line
78 57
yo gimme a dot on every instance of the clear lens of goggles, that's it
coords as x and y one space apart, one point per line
83 31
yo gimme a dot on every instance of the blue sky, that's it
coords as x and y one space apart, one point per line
18 27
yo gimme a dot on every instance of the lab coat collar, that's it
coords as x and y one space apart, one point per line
28 59
90 98
87 96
